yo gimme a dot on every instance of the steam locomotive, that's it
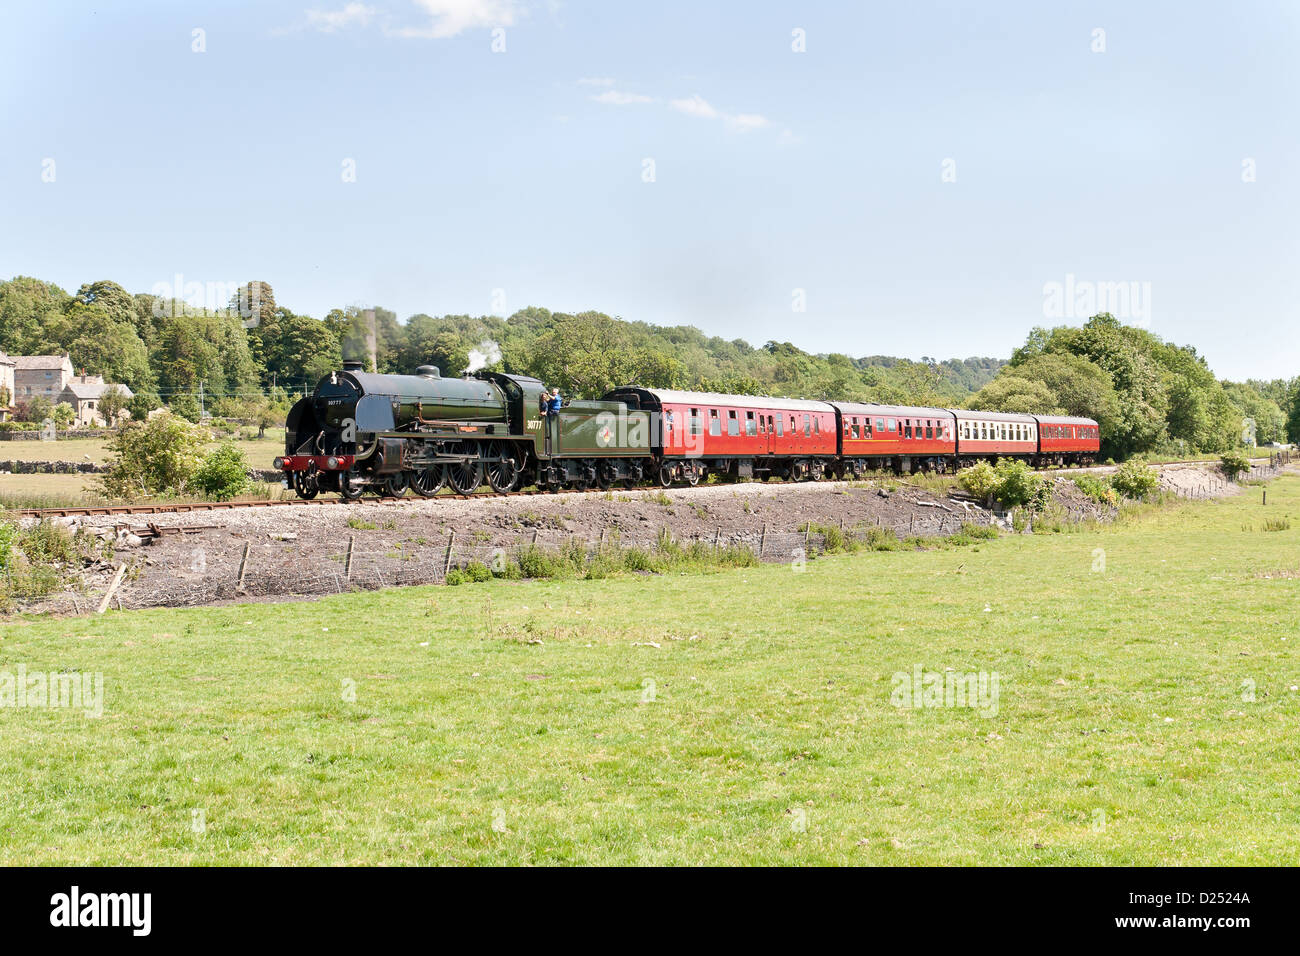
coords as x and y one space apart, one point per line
361 432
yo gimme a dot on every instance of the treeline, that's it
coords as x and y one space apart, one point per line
250 359
1148 395
255 350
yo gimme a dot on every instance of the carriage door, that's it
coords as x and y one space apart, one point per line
771 435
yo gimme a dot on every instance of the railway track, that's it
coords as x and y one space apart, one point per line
91 511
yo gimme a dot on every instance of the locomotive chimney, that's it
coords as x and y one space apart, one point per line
352 365
428 371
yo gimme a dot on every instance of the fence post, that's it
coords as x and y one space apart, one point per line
762 541
347 562
446 561
243 565
717 539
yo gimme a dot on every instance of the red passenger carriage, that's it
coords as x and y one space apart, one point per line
742 435
905 437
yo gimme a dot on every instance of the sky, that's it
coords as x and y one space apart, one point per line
912 179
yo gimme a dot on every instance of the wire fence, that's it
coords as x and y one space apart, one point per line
194 576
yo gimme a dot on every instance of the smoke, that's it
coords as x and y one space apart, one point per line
484 354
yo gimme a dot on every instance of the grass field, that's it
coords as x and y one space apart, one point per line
258 452
1146 714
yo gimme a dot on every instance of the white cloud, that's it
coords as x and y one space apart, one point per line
695 106
328 21
596 81
738 123
619 98
744 122
447 18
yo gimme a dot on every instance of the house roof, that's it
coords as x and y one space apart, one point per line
86 391
5 359
41 361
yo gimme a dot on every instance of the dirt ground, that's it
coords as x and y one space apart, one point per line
274 553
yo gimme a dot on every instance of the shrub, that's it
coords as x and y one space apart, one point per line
1098 489
1234 463
1011 483
1017 486
1134 479
154 457
980 481
223 473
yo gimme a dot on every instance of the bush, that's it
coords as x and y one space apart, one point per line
980 481
1011 483
1134 479
1018 487
223 473
159 456
1098 489
1234 463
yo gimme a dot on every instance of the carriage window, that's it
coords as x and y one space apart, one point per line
715 423
907 428
669 417
855 428
733 424
694 422
769 424
780 427
750 428
762 428
929 429
807 426
893 424
880 424
817 425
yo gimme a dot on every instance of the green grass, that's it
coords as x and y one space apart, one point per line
259 452
507 722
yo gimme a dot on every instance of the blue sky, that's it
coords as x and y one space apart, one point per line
486 181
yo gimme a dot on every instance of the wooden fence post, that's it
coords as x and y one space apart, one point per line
347 562
446 561
112 588
762 541
243 565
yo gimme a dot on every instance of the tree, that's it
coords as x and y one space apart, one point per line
1014 393
64 415
35 409
112 402
28 308
102 344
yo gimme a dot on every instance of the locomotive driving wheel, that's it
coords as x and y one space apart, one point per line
503 474
429 482
465 477
349 489
395 485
